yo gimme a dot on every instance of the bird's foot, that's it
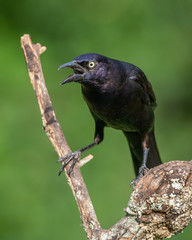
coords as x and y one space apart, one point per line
142 171
74 157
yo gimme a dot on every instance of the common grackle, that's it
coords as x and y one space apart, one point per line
118 95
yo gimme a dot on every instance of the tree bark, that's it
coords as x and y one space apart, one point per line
160 205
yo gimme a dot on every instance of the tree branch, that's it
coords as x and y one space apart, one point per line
161 203
53 131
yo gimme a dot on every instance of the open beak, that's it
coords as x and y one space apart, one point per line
79 72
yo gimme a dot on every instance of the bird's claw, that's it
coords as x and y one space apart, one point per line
142 171
74 157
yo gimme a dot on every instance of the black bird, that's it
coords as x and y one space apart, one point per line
118 95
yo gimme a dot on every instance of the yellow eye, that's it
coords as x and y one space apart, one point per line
91 64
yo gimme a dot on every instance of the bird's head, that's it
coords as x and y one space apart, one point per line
89 69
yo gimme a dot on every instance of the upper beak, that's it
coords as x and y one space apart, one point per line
71 64
76 77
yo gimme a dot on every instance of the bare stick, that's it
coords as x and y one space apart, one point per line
53 130
161 203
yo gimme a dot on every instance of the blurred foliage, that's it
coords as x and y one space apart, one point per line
154 35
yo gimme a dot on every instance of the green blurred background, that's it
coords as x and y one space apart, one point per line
156 36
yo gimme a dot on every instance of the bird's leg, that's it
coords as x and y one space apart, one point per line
143 168
145 143
75 156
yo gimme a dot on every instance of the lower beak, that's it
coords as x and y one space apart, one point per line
76 77
73 78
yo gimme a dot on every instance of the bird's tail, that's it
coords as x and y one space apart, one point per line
135 144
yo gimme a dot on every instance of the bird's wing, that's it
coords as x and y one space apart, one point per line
142 80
